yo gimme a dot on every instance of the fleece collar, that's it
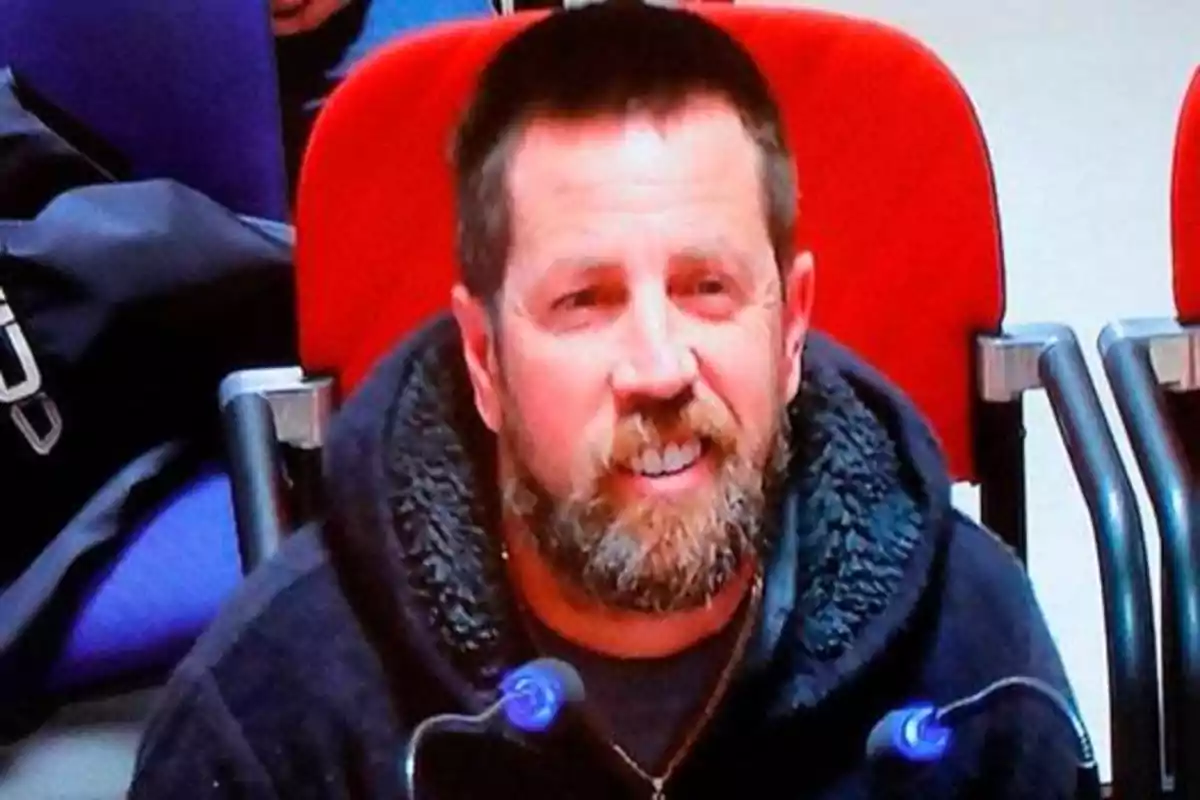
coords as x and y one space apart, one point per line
854 555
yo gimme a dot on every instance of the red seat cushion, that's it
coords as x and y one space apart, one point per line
1185 206
897 200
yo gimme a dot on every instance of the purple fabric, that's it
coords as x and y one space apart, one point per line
182 89
180 565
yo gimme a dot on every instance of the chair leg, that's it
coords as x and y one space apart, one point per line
258 480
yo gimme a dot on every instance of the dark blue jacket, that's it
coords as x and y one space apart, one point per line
122 305
879 595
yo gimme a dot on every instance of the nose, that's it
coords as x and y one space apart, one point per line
657 363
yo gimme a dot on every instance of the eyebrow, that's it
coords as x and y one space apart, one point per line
575 268
719 251
701 254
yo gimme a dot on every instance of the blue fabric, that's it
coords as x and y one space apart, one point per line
182 89
179 566
386 19
146 286
120 550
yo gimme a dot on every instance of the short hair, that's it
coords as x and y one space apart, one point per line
604 59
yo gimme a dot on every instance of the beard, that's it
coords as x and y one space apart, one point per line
652 554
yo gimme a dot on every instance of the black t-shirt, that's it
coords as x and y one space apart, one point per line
647 706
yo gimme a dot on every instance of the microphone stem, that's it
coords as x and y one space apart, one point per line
1087 777
1041 689
443 723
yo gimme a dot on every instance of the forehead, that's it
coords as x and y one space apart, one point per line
617 187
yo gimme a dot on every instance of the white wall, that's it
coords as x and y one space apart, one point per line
1079 102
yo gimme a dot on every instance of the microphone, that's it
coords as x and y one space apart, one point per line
530 698
922 732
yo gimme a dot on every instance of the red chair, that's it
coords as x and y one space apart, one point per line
1152 367
897 196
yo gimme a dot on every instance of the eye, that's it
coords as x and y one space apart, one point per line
708 294
585 298
706 286
585 307
710 286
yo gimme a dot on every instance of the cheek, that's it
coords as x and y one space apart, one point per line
747 373
558 398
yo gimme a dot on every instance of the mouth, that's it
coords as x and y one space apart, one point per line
678 468
670 459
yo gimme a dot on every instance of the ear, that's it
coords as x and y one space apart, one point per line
479 353
797 313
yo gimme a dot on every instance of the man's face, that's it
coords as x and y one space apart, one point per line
290 17
642 354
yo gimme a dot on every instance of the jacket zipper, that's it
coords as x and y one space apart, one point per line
658 783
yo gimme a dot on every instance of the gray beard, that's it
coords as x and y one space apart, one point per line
654 556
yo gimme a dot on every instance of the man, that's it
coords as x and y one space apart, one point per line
626 450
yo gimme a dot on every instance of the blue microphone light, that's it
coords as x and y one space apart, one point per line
534 693
531 696
914 733
922 733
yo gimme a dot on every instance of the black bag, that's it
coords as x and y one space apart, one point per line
122 306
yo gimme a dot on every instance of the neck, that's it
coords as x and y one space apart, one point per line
611 632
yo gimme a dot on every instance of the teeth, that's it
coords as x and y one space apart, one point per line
673 458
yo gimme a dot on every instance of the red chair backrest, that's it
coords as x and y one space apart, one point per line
1185 206
897 199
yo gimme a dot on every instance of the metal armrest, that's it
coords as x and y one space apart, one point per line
1049 357
263 410
1144 360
